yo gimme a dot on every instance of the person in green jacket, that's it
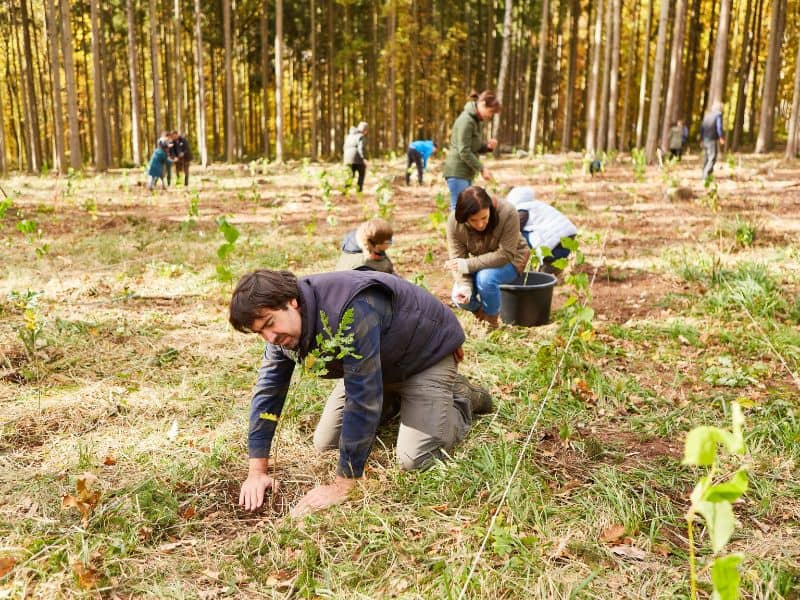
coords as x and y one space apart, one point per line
466 142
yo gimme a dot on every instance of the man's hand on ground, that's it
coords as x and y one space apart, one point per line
324 496
251 497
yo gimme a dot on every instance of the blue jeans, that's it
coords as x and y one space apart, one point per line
486 289
456 186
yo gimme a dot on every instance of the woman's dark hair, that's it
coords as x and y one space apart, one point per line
472 200
258 290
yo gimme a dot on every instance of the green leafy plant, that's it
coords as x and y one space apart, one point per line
5 204
384 195
33 235
331 346
224 251
711 197
639 161
31 329
193 211
713 501
745 232
438 217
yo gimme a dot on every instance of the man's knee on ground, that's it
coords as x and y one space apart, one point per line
325 441
407 462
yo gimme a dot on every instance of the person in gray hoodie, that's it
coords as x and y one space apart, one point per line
355 155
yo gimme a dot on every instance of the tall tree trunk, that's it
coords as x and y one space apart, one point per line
643 79
716 89
279 80
672 103
658 77
594 80
200 102
176 59
742 75
58 116
315 83
490 45
611 142
566 131
791 141
393 75
602 126
158 121
230 132
755 53
75 158
32 113
633 54
134 80
100 149
537 90
264 34
504 54
767 121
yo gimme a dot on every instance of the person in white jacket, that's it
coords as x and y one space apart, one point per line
541 224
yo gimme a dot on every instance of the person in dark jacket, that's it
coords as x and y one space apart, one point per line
417 154
712 133
462 162
398 337
181 154
678 134
355 154
159 162
366 246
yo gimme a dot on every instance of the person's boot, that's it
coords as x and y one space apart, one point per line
493 321
480 400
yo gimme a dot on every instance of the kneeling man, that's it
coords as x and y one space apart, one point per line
405 343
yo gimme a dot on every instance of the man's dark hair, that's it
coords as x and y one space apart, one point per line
258 290
472 200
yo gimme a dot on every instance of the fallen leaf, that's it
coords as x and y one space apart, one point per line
612 534
6 564
629 552
88 577
109 461
661 550
281 579
176 544
188 512
585 393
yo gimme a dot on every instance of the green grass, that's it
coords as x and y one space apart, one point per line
138 379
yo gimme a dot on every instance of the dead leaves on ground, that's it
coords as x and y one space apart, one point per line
86 499
7 563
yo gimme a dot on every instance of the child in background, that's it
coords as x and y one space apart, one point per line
365 247
541 224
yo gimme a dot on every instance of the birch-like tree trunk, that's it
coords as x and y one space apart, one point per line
594 79
200 98
626 93
58 110
655 93
504 54
100 149
158 121
643 79
672 103
771 71
75 157
613 97
791 140
537 90
566 132
134 81
602 126
230 129
279 80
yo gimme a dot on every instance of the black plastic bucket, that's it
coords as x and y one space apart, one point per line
526 301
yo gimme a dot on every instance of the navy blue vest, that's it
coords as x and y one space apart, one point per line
422 331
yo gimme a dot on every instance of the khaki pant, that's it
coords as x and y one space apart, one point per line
432 417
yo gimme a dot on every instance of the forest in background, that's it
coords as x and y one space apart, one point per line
90 83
